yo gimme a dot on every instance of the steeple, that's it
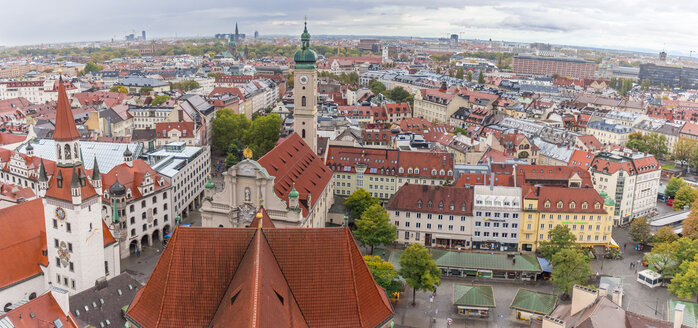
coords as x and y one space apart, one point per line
43 179
96 178
128 157
237 38
66 133
75 191
305 57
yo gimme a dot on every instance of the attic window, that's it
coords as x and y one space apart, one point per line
559 204
597 205
547 204
419 203
281 298
232 299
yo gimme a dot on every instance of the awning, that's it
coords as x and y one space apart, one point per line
613 244
545 265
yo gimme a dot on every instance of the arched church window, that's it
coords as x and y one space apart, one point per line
75 147
67 151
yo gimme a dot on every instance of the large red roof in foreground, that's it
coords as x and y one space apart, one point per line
319 273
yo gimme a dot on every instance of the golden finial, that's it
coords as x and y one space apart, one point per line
247 153
60 71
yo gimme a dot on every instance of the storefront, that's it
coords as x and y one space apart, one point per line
473 301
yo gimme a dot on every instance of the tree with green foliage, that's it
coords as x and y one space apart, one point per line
235 153
228 128
185 85
119 89
673 186
419 270
358 202
159 100
397 94
212 74
377 87
263 134
384 273
374 228
91 67
685 283
459 73
662 257
469 76
683 149
145 89
686 195
640 230
690 224
657 144
665 234
645 84
438 69
481 78
637 144
570 267
450 71
561 237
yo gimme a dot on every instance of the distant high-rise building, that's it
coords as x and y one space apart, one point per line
679 77
143 35
256 34
662 56
454 40
130 37
237 35
576 68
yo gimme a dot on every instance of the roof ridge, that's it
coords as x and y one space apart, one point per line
284 275
353 275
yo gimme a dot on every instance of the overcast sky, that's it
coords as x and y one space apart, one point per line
620 24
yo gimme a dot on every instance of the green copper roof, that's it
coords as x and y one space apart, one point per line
603 194
210 184
305 57
534 302
294 193
484 261
476 296
609 202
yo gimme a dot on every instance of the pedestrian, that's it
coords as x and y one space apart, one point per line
631 265
625 245
138 252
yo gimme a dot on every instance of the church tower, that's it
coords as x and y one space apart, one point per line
305 92
73 218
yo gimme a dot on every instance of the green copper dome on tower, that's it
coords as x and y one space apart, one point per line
603 194
609 202
210 184
305 57
294 193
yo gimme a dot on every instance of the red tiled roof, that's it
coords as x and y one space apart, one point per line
556 194
414 124
590 142
581 158
432 199
22 242
65 122
132 177
292 161
40 312
319 273
63 192
485 179
10 138
169 126
690 129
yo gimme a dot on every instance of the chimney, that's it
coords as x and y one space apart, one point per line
514 175
550 322
492 182
678 315
63 300
581 298
617 296
603 290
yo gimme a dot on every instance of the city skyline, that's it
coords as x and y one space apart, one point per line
645 26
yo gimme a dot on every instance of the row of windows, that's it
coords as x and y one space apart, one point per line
438 226
495 234
64 281
497 214
496 224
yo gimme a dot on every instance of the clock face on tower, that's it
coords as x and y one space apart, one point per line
60 213
303 79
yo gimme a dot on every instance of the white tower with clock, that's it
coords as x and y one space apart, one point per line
77 252
305 92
